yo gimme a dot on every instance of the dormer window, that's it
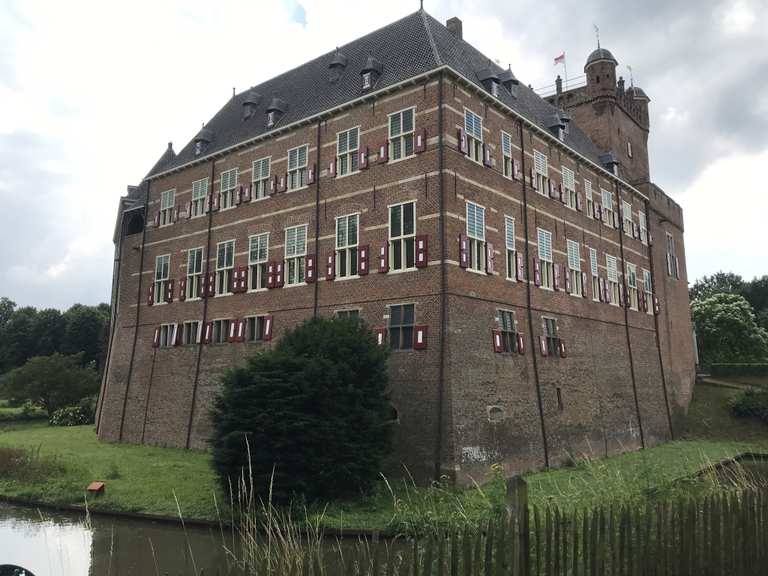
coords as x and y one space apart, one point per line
275 110
198 148
250 103
203 138
370 72
495 89
337 66
367 80
490 80
271 118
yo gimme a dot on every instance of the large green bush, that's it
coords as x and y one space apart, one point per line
314 411
751 403
736 369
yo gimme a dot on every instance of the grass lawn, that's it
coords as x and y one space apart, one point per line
143 479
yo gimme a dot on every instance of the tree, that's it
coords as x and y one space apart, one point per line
51 382
718 283
726 330
86 332
756 293
48 331
7 306
18 338
314 410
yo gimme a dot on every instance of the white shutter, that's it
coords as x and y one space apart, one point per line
509 224
610 263
506 144
569 180
574 261
545 245
475 221
540 162
593 261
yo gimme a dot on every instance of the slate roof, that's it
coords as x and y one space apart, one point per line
411 46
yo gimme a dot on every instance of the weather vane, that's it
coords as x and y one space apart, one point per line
597 34
631 78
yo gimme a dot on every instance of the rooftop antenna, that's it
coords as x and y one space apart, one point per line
233 91
631 78
597 34
421 5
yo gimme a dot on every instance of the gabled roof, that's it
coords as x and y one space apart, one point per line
409 47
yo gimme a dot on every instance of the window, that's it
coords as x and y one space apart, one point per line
258 251
574 268
199 193
271 118
549 329
541 167
402 234
348 314
190 332
346 245
569 184
347 144
255 328
643 227
295 251
626 209
476 235
167 204
588 197
673 269
194 273
220 331
401 130
473 126
607 207
506 151
367 80
297 167
162 275
225 261
260 174
508 329
595 277
509 238
545 256
613 279
632 285
227 188
648 287
167 335
401 326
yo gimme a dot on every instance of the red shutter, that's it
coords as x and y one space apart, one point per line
330 266
563 352
364 256
216 199
279 274
463 250
311 276
211 284
567 280
311 175
273 185
151 294
543 345
175 214
239 195
534 183
463 144
169 291
520 266
616 221
363 162
384 152
271 274
599 212
421 141
420 337
422 250
497 345
232 331
189 210
268 325
561 191
600 289
608 291
556 282
241 330
489 257
578 202
487 155
384 258
584 284
157 219
156 338
520 343
283 183
621 297
516 172
208 202
553 190
656 306
536 271
332 168
178 334
381 336
247 193
182 289
208 336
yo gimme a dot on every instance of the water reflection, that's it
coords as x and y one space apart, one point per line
56 543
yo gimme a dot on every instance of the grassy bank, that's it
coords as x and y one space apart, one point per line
62 461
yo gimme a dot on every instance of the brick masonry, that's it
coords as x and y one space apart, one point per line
461 406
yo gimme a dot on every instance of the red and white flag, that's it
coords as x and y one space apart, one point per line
560 59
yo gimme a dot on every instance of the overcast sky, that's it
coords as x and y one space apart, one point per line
90 94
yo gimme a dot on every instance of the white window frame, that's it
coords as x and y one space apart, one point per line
626 213
673 266
648 288
550 331
589 201
643 223
541 169
511 251
224 269
260 177
297 171
167 335
199 197
612 274
401 142
194 288
191 330
569 185
347 155
295 256
347 248
632 285
167 205
475 236
257 266
574 268
228 180
402 328
402 246
544 239
595 271
508 165
507 323
162 276
473 128
220 331
255 327
607 199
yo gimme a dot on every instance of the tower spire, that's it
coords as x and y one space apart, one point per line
597 35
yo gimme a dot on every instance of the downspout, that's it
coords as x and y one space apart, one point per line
656 323
138 311
539 399
205 305
443 284
625 292
317 221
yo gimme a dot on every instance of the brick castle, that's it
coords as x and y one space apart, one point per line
511 250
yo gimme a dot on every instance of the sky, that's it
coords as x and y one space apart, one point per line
92 92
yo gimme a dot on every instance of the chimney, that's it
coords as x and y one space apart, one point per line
454 25
558 90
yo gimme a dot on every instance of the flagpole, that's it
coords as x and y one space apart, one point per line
565 71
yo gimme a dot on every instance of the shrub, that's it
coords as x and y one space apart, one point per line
743 369
752 402
27 465
314 411
71 416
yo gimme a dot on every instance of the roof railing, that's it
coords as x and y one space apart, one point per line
568 84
